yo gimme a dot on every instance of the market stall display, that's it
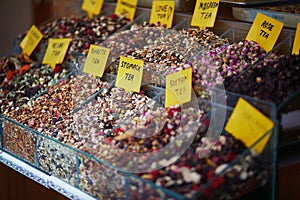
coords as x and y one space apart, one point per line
113 144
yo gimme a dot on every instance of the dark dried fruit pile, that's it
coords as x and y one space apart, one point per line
28 83
273 79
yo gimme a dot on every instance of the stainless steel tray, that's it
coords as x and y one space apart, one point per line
248 14
251 2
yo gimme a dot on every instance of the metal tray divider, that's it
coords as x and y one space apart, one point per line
1 132
77 171
127 189
275 158
290 98
36 152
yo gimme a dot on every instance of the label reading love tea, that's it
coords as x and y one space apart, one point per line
56 51
130 73
92 7
126 7
178 88
265 31
163 12
205 13
31 40
96 60
248 124
296 45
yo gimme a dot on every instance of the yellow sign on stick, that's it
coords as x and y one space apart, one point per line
92 7
163 12
56 51
265 31
130 74
96 60
178 88
126 7
31 40
296 45
248 124
205 13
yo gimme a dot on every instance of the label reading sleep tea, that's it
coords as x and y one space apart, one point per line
130 73
205 13
96 60
265 31
248 124
56 51
296 45
31 40
92 7
163 12
126 7
178 88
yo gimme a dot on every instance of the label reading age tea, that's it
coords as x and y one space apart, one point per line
31 40
92 7
96 60
56 51
130 73
248 124
178 88
265 31
163 12
296 45
205 13
126 7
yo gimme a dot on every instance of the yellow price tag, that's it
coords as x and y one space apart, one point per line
163 12
126 7
130 73
56 51
92 7
248 124
31 40
205 13
96 60
296 45
265 31
178 88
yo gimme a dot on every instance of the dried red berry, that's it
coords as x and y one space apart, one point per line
107 140
230 156
217 182
57 69
119 130
210 175
196 187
